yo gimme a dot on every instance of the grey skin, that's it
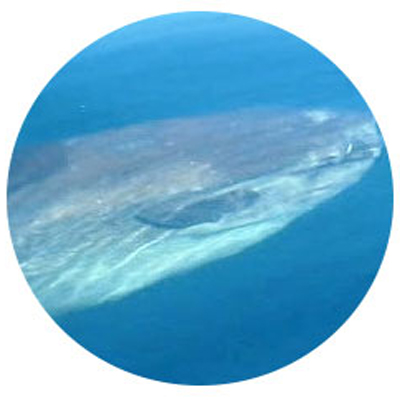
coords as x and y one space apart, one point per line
96 217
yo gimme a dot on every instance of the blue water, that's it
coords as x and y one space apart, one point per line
251 313
254 312
182 66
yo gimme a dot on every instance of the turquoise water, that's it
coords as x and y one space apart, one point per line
253 312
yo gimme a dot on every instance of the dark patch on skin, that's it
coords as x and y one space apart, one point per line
173 215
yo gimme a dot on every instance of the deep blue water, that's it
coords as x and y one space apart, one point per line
177 66
250 313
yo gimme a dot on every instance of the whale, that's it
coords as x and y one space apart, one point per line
96 217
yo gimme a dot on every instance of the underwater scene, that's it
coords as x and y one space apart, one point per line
200 198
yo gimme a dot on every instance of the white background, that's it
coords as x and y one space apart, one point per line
39 361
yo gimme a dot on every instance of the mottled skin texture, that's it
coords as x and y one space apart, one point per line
97 217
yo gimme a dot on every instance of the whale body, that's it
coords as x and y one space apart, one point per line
113 212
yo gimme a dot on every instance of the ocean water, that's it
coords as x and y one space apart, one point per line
250 312
202 63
